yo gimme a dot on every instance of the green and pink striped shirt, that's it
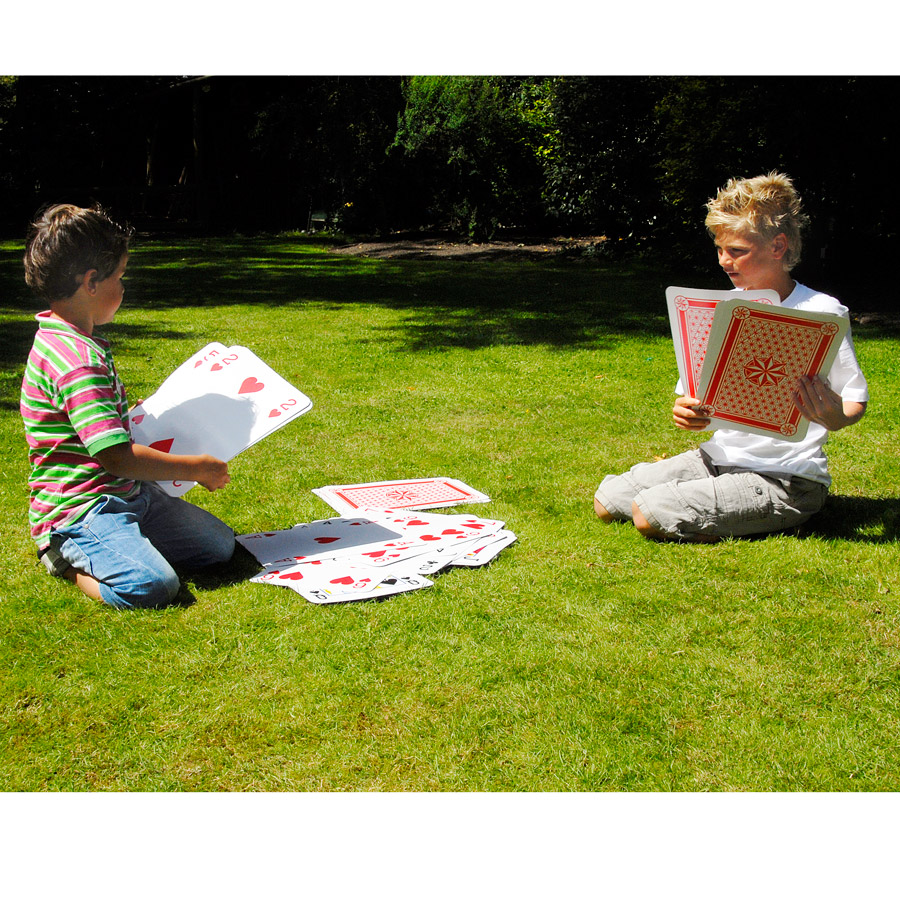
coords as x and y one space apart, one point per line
73 405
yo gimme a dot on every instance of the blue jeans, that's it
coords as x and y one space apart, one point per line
131 546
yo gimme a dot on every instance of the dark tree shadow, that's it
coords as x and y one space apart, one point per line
872 520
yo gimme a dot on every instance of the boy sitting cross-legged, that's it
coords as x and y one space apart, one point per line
738 483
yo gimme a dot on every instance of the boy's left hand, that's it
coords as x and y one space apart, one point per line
819 403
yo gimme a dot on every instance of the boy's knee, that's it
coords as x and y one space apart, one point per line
602 512
153 592
643 525
219 548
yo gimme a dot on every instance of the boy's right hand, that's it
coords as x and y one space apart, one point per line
687 416
212 473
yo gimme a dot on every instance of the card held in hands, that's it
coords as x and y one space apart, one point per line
754 356
691 313
220 401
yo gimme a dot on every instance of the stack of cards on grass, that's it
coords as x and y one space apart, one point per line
374 554
221 401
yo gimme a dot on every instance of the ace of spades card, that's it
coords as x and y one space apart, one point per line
754 356
691 314
220 401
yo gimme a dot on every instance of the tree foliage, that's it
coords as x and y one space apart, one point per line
626 157
472 149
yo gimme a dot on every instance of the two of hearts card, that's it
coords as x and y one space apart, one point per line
372 554
220 401
741 354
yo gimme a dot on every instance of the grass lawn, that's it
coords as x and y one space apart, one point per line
585 658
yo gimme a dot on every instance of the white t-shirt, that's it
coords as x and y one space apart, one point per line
760 453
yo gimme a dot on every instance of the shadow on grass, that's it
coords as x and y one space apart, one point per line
239 568
872 520
559 302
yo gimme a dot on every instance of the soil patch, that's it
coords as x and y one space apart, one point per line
415 247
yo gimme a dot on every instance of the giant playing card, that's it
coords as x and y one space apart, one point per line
221 401
329 538
412 493
754 356
690 317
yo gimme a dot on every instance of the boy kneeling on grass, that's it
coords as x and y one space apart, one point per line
96 514
739 483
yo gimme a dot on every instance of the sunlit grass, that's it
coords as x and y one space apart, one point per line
583 658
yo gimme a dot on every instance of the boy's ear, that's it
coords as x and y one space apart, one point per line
88 280
779 246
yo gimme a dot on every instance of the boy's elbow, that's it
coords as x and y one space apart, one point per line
854 411
115 459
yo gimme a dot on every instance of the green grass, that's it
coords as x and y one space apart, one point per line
583 658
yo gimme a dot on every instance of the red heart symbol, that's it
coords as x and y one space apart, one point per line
430 537
416 522
345 580
138 419
325 540
291 576
274 413
215 367
165 446
452 531
375 554
250 386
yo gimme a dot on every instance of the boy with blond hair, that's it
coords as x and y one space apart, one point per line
738 483
96 514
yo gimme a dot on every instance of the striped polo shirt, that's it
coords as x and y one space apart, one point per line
73 405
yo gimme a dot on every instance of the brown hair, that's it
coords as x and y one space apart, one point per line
762 207
64 242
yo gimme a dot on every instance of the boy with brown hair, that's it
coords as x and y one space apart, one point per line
738 483
96 514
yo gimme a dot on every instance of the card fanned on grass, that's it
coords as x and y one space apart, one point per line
374 554
411 493
220 401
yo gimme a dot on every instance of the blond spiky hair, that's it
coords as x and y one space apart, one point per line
761 207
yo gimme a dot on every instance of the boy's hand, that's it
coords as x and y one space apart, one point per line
686 414
818 403
212 473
